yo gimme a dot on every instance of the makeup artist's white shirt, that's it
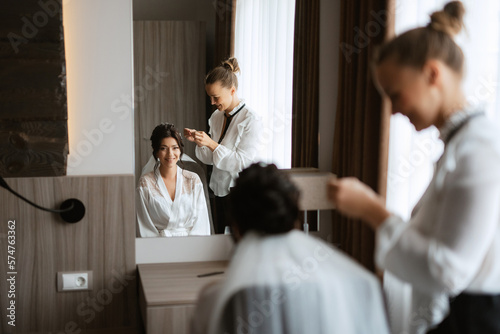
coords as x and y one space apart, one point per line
159 216
452 241
238 149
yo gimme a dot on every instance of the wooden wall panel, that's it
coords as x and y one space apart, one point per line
170 320
169 73
103 241
32 89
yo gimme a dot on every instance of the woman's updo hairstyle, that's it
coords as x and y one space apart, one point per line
264 200
435 41
225 73
165 130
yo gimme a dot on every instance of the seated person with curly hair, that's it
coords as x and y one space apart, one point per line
170 200
281 280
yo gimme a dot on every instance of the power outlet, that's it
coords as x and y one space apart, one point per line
74 281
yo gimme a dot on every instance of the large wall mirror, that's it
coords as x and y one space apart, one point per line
173 43
173 50
208 12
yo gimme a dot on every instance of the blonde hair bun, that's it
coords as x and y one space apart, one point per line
231 64
450 19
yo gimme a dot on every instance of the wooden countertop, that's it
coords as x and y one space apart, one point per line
166 284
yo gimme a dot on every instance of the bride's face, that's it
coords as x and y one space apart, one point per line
169 152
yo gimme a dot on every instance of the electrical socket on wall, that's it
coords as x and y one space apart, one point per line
74 281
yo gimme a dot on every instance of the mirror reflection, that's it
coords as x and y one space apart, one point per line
170 200
169 67
172 59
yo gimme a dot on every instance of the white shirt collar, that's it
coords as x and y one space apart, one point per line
235 109
455 121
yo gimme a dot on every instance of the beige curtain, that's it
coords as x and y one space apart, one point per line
362 118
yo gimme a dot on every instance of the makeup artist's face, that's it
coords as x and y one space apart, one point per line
412 92
220 96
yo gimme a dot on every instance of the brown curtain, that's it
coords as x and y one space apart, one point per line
225 11
305 84
362 118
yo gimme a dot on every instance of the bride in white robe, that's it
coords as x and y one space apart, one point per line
182 211
159 216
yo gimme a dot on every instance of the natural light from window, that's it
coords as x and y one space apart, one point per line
264 34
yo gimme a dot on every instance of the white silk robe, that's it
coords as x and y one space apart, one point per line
159 216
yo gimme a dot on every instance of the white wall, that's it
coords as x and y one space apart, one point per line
99 64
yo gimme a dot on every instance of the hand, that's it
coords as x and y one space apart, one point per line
189 134
355 199
202 139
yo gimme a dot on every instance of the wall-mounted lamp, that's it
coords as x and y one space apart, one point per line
71 210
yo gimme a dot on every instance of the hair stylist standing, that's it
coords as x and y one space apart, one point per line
451 246
232 143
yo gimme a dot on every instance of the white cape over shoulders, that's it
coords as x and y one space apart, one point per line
292 283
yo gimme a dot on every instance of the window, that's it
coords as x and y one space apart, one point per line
264 35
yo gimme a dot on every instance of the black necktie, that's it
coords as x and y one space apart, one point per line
228 121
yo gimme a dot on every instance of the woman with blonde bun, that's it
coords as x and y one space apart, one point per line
449 251
232 142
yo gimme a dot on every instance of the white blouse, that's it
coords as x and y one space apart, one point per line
238 149
159 216
313 289
452 241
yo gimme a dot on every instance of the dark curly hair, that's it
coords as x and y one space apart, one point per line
264 200
165 130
